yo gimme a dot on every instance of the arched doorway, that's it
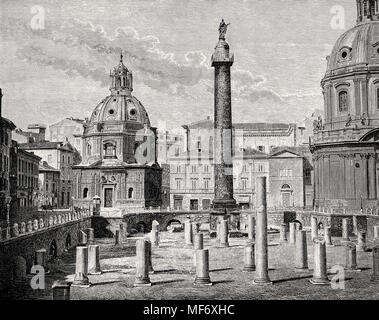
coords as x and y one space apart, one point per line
287 196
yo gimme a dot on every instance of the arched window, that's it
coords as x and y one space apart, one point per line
343 101
286 187
130 193
85 193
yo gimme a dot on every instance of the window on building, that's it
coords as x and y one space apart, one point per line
307 172
178 169
343 101
206 168
178 184
245 168
193 167
261 148
198 144
194 184
286 173
206 184
130 193
377 98
110 150
244 184
85 193
49 158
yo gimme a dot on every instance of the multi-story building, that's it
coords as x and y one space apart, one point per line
24 180
35 133
290 178
59 156
49 186
263 137
69 129
6 127
192 179
259 149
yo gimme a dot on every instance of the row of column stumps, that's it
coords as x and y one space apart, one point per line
87 258
320 244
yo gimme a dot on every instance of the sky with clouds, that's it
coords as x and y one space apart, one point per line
63 70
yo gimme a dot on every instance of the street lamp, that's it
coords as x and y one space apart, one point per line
8 200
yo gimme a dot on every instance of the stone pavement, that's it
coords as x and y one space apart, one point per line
172 279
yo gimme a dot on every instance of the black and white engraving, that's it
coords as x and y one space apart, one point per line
189 150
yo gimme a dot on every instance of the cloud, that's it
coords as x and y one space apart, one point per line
86 49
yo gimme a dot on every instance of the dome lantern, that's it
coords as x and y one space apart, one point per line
121 79
368 10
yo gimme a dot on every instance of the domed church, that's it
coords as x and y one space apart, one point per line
345 144
119 153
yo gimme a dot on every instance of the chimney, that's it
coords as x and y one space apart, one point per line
1 101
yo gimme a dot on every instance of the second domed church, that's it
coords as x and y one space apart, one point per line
345 145
119 160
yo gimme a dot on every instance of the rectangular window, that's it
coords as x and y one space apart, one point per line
178 184
206 184
244 184
194 184
193 168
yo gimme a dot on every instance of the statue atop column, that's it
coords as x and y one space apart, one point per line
223 28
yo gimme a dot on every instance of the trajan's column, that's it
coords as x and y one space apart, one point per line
224 202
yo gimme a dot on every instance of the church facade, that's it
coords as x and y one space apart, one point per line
345 146
119 163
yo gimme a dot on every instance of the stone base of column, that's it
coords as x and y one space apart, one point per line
142 283
81 281
201 282
262 282
222 204
320 281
